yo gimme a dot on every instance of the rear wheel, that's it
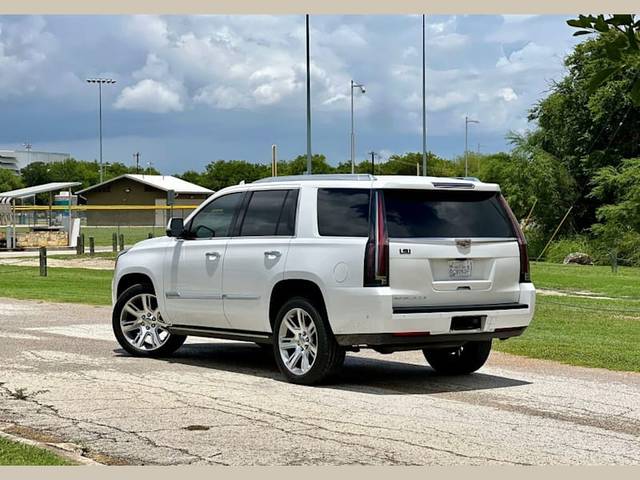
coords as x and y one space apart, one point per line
460 360
139 326
306 351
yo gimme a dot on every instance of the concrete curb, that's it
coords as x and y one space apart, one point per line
69 451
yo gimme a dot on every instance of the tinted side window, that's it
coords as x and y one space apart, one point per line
264 213
214 220
343 212
287 223
437 214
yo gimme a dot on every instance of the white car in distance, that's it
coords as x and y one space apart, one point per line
313 266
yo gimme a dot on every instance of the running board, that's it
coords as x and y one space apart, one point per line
223 333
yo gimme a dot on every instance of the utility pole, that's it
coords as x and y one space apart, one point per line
353 133
467 121
308 103
424 100
373 162
136 158
274 160
100 81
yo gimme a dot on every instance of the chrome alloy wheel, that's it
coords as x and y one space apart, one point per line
142 324
298 341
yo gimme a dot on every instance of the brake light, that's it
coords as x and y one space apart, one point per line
525 276
376 255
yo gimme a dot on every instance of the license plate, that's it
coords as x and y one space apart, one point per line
460 268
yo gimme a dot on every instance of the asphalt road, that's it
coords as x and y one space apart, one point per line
64 379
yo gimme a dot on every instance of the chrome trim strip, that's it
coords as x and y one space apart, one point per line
240 296
182 296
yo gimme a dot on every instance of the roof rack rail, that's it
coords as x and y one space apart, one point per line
473 179
320 176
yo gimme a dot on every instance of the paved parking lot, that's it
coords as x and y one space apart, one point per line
63 378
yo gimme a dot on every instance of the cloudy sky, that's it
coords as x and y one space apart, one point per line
192 89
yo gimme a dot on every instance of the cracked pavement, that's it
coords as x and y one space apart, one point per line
220 402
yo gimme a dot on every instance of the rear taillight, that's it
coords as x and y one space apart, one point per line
376 254
525 276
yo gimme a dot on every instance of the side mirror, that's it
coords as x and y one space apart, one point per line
175 227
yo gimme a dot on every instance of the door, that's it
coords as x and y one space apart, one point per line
255 257
450 248
193 282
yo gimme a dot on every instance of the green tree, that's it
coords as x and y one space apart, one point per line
36 173
223 173
529 175
192 176
618 224
9 180
587 127
298 166
622 47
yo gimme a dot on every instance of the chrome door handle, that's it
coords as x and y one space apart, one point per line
272 253
212 255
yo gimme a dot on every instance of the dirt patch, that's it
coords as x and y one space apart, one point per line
35 435
583 294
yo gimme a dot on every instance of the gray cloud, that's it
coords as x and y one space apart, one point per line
191 86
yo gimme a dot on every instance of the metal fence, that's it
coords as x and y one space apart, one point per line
35 226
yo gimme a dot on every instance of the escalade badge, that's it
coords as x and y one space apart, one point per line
463 242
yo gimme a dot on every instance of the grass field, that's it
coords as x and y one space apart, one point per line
584 331
581 332
103 235
75 285
571 329
596 279
14 453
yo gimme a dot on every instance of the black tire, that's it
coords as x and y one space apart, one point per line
330 355
461 360
172 343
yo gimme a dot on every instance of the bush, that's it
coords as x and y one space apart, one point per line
628 250
628 253
536 239
563 247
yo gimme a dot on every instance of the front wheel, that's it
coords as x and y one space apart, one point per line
306 351
460 360
138 324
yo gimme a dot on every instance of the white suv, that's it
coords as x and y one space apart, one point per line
313 266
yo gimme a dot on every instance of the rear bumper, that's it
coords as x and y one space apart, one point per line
358 322
399 341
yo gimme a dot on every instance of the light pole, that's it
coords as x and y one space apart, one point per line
424 101
309 157
100 81
27 146
467 121
353 133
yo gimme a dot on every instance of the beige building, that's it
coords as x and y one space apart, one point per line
144 191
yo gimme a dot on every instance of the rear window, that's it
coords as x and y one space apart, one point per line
436 214
343 212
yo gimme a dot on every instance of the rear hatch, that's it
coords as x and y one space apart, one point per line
450 247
